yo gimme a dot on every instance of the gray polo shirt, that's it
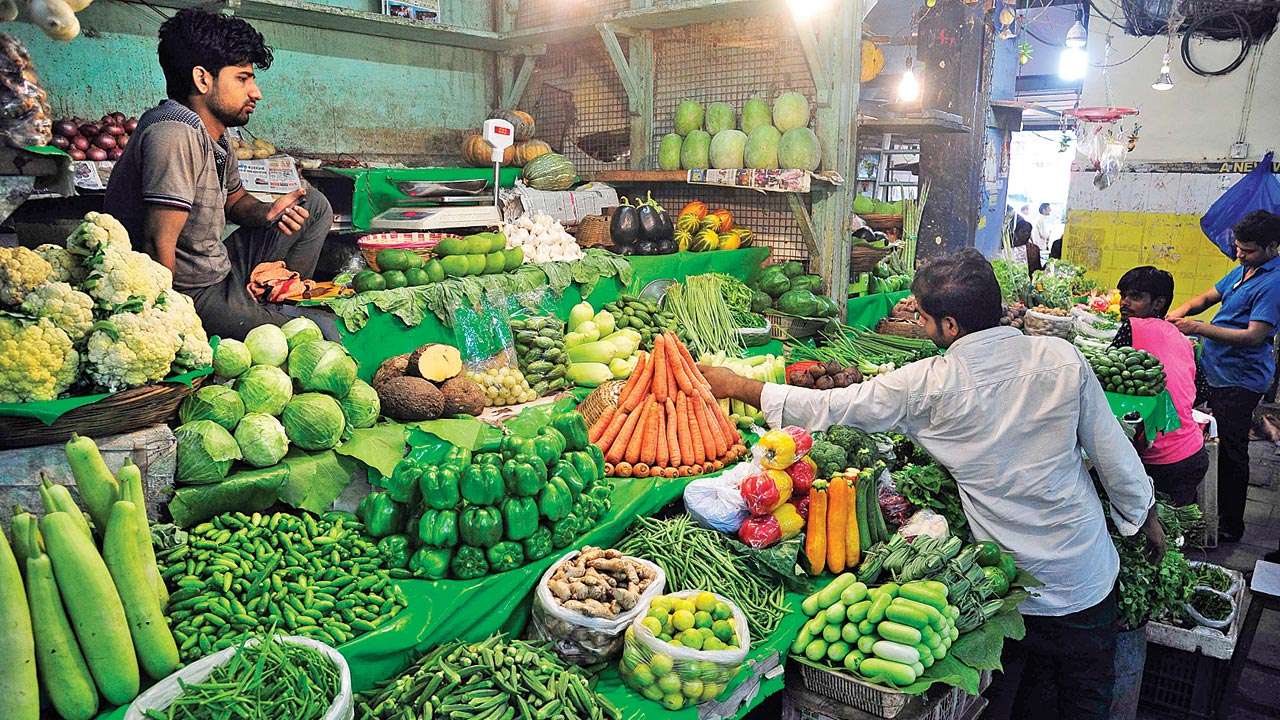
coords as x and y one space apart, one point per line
172 160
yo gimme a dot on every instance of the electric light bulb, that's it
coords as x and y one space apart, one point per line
908 87
1073 64
806 9
1164 81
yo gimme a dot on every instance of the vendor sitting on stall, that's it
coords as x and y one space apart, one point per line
1009 416
1177 460
177 184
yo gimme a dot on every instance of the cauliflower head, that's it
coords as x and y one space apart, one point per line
21 271
180 310
64 306
37 361
131 349
123 276
98 231
66 268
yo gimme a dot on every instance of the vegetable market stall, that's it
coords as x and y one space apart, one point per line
866 311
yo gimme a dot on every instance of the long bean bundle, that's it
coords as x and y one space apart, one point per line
858 347
700 309
694 558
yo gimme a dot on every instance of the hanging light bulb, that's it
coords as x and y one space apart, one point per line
1073 64
1165 80
806 9
1077 36
909 87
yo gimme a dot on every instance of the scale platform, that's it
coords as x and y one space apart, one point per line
436 218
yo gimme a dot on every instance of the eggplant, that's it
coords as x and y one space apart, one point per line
650 224
624 228
865 233
668 226
666 246
647 247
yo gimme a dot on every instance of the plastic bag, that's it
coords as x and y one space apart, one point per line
1257 190
580 639
539 344
1194 614
1089 325
703 674
1038 323
483 336
25 118
925 522
896 509
765 491
715 502
163 693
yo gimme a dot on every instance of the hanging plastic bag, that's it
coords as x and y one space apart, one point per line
1257 190
484 339
716 503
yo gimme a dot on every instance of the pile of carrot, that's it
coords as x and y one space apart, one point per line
666 423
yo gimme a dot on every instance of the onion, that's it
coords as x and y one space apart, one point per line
89 129
131 125
96 154
60 142
76 154
116 130
122 141
66 129
80 142
118 117
116 153
106 141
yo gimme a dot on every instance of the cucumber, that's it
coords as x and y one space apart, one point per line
909 616
831 633
855 593
815 651
849 633
801 642
865 643
837 651
152 640
897 632
58 655
94 608
896 652
98 487
836 613
857 612
894 672
814 625
18 685
828 595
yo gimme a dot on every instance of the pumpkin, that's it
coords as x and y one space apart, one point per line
697 208
872 61
726 220
477 152
527 152
521 121
551 171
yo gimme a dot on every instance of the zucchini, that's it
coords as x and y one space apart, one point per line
58 655
816 650
897 632
831 633
828 595
94 608
18 685
895 673
896 652
156 649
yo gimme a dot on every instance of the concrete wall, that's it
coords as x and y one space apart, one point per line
327 92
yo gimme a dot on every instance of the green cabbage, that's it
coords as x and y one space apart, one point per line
218 403
361 406
262 439
205 452
267 345
313 421
231 358
322 367
301 330
265 389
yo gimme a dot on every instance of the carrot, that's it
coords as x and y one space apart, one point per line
649 445
695 429
678 368
601 424
611 433
664 455
619 446
684 434
637 437
640 470
717 435
659 370
635 378
642 388
815 536
623 470
837 524
673 430
853 543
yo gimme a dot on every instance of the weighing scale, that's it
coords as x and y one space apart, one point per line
441 210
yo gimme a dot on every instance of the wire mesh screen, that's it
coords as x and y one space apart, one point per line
581 106
541 13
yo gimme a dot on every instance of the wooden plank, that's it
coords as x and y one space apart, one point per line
641 176
801 215
651 17
819 69
511 98
609 36
643 64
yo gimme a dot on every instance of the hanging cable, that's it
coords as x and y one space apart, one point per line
1246 42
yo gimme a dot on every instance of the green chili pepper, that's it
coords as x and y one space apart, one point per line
481 485
573 427
469 563
505 556
431 563
439 486
520 517
480 526
395 550
438 528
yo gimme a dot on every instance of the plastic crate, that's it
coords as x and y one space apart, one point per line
881 701
1181 684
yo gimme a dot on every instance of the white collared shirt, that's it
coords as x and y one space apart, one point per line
1008 415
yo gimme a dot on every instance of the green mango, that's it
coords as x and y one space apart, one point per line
455 265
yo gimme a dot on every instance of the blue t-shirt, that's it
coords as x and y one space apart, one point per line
1249 367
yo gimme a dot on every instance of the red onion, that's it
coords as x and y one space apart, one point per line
131 125
115 153
80 142
89 129
66 129
96 154
118 117
76 154
60 142
106 141
116 130
122 141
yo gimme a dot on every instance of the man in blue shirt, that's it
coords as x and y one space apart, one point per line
1237 358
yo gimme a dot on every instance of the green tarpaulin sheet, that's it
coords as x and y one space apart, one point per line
866 311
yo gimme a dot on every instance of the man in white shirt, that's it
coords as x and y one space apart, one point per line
1046 229
1008 415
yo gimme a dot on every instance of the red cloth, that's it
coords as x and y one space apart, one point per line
1160 338
272 282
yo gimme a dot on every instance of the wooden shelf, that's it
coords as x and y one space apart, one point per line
327 17
640 176
913 126
669 15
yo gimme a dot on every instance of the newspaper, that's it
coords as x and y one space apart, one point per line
797 181
91 175
569 207
276 175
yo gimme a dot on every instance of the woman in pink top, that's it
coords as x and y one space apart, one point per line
1177 460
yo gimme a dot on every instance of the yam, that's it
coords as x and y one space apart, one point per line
410 399
435 362
462 397
392 367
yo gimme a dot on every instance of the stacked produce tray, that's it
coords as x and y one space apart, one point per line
817 693
1210 643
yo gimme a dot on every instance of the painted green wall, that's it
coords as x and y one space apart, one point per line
326 93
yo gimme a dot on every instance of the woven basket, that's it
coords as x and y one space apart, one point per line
864 258
123 412
785 327
420 243
593 231
882 222
600 400
901 329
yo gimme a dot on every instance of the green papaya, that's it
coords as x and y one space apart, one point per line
669 152
695 152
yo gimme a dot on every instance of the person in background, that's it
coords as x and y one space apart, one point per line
1237 358
1022 250
1055 250
1046 228
1009 415
1176 461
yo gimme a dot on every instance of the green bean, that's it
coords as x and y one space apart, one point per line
700 308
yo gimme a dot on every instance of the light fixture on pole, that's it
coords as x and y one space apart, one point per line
909 86
1073 62
1165 80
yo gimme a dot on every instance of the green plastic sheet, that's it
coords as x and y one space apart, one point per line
49 411
376 190
1158 412
866 311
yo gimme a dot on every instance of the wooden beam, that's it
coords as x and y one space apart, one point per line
802 218
609 35
818 68
675 13
515 90
642 63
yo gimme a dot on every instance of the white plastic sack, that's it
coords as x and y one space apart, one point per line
715 502
925 522
1037 323
163 693
580 639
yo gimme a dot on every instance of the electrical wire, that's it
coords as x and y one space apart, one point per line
1131 57
1246 43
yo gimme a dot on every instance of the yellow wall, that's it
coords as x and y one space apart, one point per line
1109 243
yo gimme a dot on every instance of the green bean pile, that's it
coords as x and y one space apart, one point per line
497 679
695 558
306 575
700 308
854 347
264 681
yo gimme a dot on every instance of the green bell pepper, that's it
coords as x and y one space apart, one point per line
491 443
459 457
402 486
520 517
431 563
555 501
488 458
549 445
597 455
573 427
564 532
395 550
505 556
480 526
481 485
513 445
469 563
524 475
438 528
582 462
381 515
439 487
565 471
538 545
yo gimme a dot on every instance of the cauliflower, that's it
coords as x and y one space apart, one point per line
125 276
37 361
67 308
99 231
131 349
66 268
21 271
180 312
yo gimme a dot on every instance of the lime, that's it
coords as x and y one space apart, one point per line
632 657
673 702
705 601
711 690
653 624
685 604
669 683
722 611
660 603
675 642
642 675
713 644
660 664
723 630
691 639
702 619
665 637
682 620
652 692
692 689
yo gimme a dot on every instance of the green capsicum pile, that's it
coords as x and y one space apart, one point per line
506 504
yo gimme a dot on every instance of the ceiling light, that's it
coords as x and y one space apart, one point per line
1165 79
806 9
1073 64
909 87
1077 36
